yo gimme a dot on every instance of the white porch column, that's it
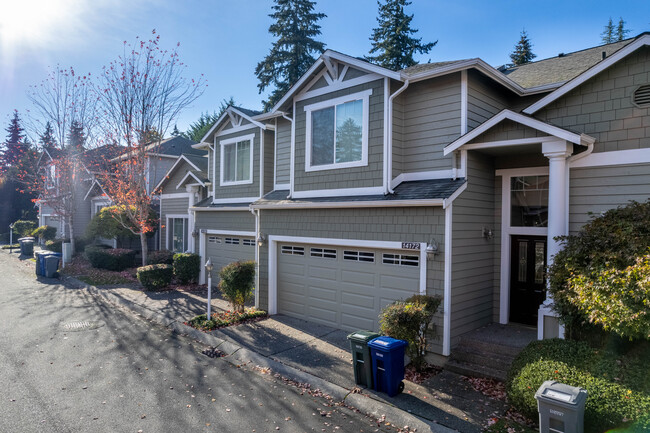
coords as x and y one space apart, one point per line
191 189
557 153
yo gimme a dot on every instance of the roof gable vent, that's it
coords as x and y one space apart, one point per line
641 97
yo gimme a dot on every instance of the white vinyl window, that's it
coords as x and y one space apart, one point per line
337 132
237 160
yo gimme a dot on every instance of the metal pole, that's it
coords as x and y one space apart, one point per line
11 238
209 293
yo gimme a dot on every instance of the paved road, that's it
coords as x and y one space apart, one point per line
122 374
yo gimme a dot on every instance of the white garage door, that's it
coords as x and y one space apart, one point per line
227 249
343 287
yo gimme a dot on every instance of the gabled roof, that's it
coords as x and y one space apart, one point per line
623 51
243 112
199 165
562 68
101 155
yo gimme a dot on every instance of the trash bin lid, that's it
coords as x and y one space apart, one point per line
557 392
387 343
362 336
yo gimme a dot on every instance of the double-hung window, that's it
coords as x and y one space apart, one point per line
337 132
237 160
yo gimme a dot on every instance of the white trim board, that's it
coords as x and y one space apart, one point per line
342 192
357 243
175 195
618 157
235 200
173 167
189 173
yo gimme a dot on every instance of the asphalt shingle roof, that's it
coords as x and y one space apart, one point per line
424 67
414 190
562 68
176 146
200 161
247 111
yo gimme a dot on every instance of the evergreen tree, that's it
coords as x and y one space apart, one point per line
76 137
47 139
175 131
198 129
295 27
393 40
523 52
14 146
607 36
621 31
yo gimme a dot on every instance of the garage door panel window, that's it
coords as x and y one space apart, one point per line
293 250
359 256
232 241
214 239
323 253
249 242
400 259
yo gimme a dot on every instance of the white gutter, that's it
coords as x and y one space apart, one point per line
388 155
353 204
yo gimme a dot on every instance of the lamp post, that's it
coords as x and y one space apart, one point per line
11 237
208 267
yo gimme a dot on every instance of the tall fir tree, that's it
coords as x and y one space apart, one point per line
76 137
607 36
295 28
523 52
613 33
47 139
14 146
393 40
621 31
175 131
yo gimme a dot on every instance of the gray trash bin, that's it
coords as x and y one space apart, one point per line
51 265
561 408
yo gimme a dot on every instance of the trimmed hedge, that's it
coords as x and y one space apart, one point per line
236 285
23 228
160 257
618 386
46 233
55 245
187 267
155 277
112 259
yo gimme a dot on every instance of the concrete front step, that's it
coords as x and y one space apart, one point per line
481 346
475 370
495 360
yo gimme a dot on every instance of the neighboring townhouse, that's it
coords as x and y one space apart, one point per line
88 194
241 169
185 184
363 185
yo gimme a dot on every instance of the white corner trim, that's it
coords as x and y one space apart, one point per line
234 140
261 162
281 186
422 175
450 200
589 73
463 102
292 153
446 309
319 193
423 268
523 120
618 157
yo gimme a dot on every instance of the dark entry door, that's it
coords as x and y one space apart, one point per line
527 277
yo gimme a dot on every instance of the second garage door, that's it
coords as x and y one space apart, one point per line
223 250
343 287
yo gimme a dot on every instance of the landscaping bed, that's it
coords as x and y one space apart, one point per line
226 318
82 270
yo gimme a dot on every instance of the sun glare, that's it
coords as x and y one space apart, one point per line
33 22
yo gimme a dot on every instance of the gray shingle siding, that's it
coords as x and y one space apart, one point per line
415 224
225 220
81 216
598 189
484 99
602 107
356 177
169 206
472 255
269 146
283 151
431 120
234 191
178 175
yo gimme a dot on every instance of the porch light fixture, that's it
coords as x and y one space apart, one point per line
195 234
261 240
487 233
432 247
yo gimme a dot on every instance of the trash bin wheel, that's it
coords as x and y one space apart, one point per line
400 388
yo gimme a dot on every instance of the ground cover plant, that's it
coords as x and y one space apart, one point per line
82 270
226 318
617 382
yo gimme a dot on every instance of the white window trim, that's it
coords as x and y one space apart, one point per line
507 231
364 96
273 241
234 140
186 226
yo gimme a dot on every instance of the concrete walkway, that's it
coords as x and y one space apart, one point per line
315 354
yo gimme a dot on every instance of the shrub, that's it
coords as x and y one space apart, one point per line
160 257
23 228
155 277
409 320
106 224
187 267
44 233
237 280
602 276
618 387
55 245
112 259
226 318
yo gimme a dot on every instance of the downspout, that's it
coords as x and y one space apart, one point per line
388 157
256 214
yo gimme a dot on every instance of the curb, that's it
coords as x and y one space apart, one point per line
238 356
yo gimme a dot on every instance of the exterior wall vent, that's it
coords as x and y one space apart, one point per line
641 97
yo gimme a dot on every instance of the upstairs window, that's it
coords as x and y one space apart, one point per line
237 160
337 133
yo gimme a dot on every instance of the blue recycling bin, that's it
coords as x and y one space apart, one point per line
388 364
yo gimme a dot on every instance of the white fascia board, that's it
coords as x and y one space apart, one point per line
175 195
354 204
219 209
188 174
211 130
247 117
235 129
360 64
201 145
618 157
518 118
296 86
235 200
449 200
589 73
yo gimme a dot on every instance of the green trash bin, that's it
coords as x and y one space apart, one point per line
361 360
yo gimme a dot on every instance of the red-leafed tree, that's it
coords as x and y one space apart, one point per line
141 94
65 109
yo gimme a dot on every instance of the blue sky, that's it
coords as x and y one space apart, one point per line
224 40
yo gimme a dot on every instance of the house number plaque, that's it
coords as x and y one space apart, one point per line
410 245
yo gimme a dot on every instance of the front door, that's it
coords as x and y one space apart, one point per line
527 278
